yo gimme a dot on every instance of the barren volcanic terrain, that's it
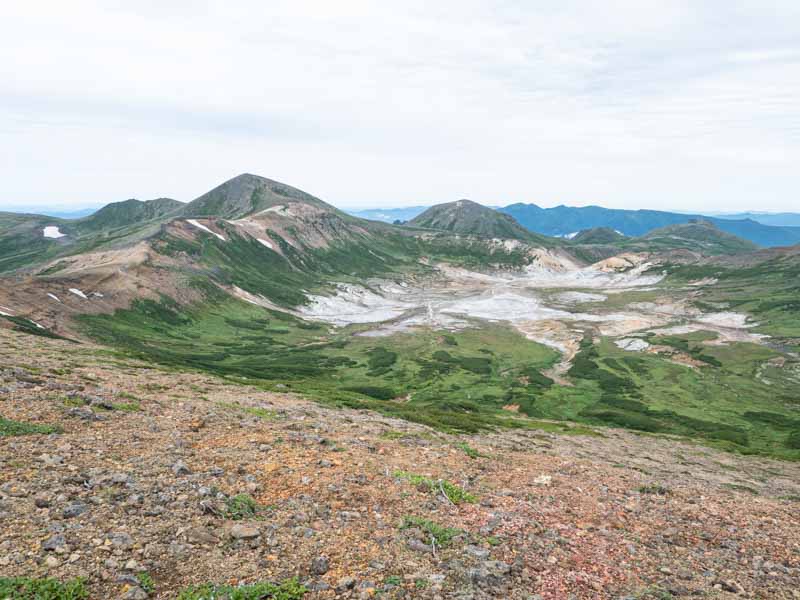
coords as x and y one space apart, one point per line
148 480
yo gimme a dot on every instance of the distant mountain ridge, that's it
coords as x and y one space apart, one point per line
784 219
564 220
388 215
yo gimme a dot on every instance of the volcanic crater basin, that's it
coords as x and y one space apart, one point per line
533 301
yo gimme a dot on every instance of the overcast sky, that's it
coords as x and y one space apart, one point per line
633 103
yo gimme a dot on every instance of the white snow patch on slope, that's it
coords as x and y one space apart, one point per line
3 312
204 228
265 243
78 293
51 231
53 296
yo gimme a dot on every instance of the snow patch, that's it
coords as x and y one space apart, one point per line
204 228
51 231
3 312
264 242
78 293
54 297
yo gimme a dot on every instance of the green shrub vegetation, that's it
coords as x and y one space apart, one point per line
654 489
10 428
287 590
242 507
454 493
462 381
25 588
443 536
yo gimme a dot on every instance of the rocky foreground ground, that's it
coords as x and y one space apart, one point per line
155 480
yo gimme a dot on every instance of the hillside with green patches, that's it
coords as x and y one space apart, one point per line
470 218
598 235
487 376
768 290
125 214
737 400
24 245
454 381
701 236
246 194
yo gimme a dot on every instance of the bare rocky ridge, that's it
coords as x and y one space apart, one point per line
141 478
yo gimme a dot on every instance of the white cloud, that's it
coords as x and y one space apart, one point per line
627 103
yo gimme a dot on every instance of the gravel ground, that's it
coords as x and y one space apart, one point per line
141 476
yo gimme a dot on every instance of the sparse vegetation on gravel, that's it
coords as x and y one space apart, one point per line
137 502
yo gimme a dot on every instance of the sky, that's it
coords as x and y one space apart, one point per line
672 104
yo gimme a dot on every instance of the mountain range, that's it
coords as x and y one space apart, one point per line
768 230
259 280
257 371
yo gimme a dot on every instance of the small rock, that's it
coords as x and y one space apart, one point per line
320 565
41 501
132 565
122 540
180 468
418 546
345 583
135 593
54 543
200 535
74 509
84 413
477 552
244 532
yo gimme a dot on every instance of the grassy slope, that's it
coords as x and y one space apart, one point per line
769 291
462 381
244 262
723 403
456 381
22 244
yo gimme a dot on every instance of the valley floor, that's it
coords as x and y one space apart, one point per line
145 481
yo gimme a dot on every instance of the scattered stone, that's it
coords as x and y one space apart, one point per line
200 535
244 532
55 543
180 468
52 562
418 546
74 509
135 593
320 565
345 583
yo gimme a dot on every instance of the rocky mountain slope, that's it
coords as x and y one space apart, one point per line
256 388
152 483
